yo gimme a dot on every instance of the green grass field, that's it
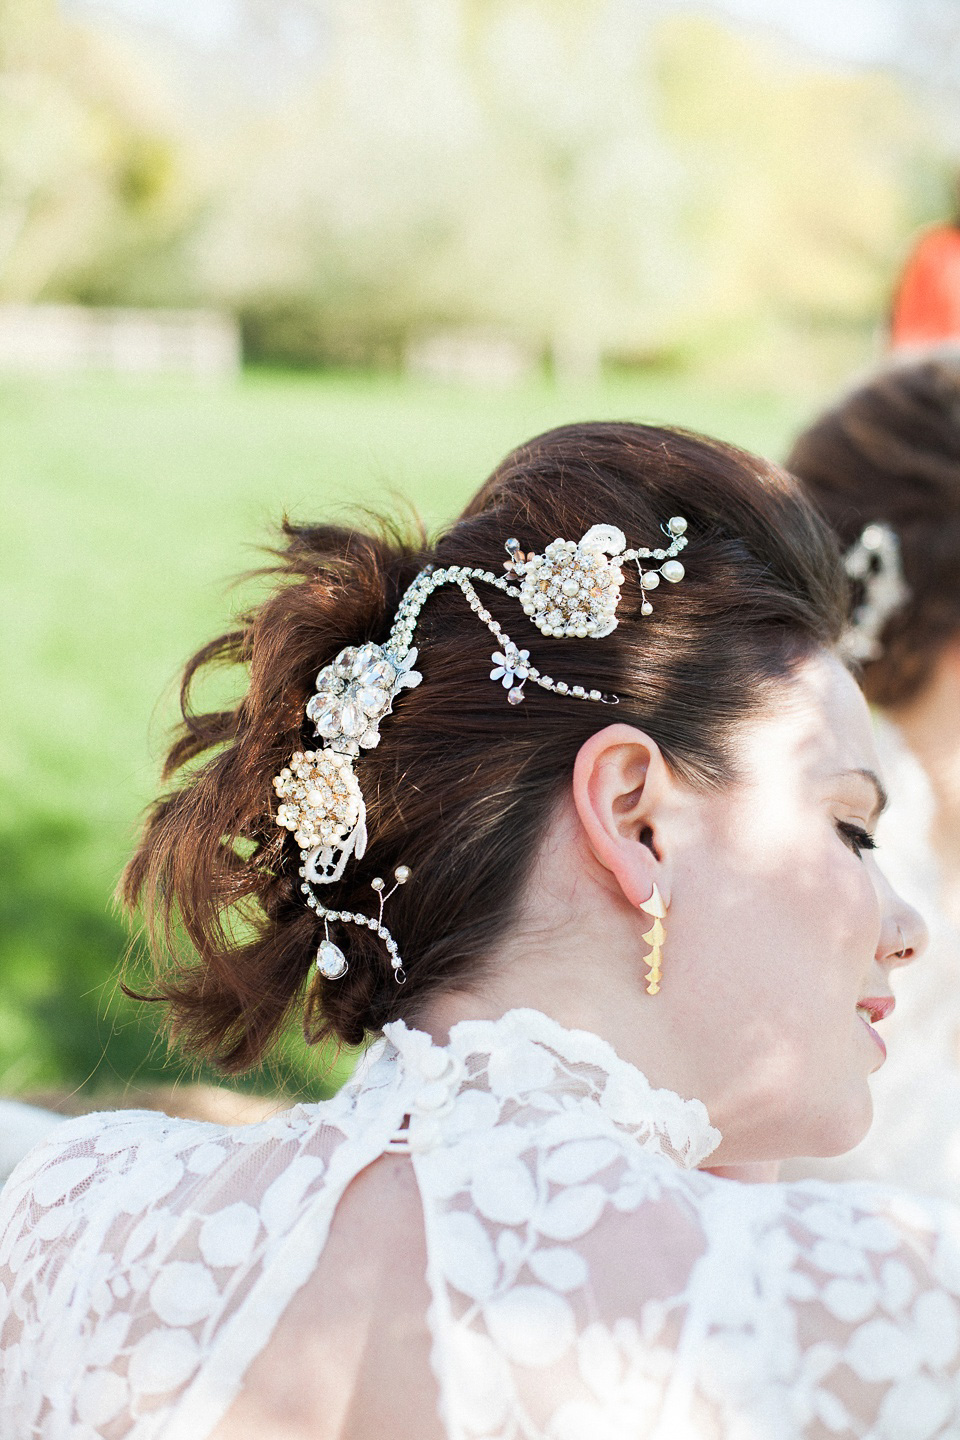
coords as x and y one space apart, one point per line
128 508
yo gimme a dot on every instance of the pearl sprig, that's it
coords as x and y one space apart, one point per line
331 961
671 569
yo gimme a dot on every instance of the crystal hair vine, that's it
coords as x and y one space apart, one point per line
571 590
873 561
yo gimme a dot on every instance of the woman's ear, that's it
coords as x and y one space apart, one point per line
620 780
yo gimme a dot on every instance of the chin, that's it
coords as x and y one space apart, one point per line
841 1126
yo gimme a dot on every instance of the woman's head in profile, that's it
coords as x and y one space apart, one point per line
736 774
890 451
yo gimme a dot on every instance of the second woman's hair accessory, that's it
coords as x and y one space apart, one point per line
572 589
873 561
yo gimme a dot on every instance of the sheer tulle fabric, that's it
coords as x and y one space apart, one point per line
587 1282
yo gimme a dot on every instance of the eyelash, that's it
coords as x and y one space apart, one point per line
857 838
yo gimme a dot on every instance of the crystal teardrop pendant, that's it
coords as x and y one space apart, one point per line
331 961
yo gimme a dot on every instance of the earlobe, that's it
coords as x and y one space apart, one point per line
617 778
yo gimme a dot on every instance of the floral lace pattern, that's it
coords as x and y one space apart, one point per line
587 1281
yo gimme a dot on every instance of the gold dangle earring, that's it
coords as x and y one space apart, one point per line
654 937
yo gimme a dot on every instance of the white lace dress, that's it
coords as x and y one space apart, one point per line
585 1281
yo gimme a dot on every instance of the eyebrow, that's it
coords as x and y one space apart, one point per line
883 799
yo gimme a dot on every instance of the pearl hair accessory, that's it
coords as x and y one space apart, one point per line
874 561
572 589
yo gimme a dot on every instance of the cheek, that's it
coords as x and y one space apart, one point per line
810 1051
791 923
812 902
823 910
777 942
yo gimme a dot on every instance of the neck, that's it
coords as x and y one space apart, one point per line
574 954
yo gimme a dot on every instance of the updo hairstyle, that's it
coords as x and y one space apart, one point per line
891 451
462 785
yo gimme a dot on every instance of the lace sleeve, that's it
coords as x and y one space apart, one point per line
144 1261
588 1294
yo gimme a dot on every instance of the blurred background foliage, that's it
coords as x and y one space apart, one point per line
604 180
672 211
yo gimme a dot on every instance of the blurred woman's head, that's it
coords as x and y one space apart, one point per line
890 451
737 777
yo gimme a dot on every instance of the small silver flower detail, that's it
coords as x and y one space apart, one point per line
510 667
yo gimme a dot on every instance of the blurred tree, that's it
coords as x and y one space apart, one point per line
803 182
930 58
469 163
84 174
590 177
595 178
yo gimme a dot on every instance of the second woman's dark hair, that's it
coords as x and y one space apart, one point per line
890 450
462 785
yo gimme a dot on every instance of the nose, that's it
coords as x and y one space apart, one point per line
904 935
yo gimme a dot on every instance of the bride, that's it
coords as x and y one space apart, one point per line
583 829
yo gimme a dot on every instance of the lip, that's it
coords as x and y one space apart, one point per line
878 1007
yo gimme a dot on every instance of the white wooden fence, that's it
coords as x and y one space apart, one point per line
50 339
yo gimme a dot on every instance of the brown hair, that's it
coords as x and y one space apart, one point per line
891 451
462 785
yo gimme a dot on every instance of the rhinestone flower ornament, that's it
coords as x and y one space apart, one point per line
355 692
875 563
324 805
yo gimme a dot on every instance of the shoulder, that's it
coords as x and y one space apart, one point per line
140 1238
72 1147
126 1162
645 1230
21 1128
73 1164
841 1301
873 1272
